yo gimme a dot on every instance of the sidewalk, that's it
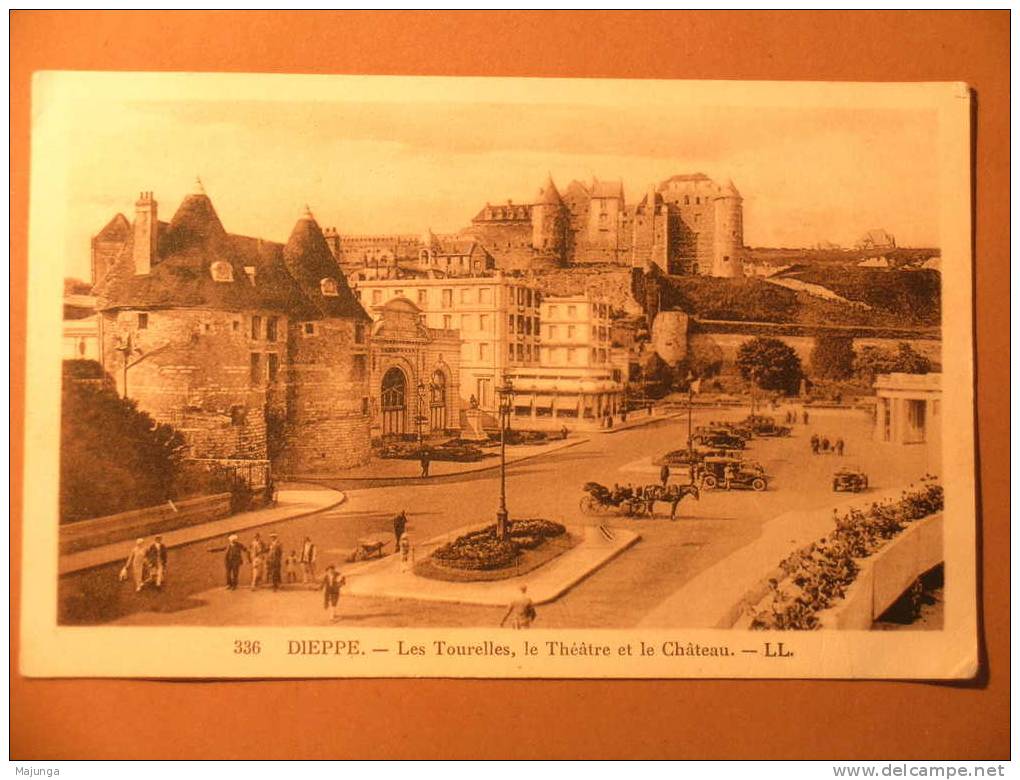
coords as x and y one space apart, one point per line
291 504
643 419
715 598
403 469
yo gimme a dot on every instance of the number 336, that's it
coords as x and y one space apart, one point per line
247 647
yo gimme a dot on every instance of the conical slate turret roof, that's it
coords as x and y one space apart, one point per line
194 224
549 195
309 261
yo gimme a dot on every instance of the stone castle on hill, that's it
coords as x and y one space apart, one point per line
687 224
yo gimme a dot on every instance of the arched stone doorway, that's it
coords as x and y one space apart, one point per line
393 402
437 402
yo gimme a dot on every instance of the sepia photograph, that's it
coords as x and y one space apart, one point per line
366 376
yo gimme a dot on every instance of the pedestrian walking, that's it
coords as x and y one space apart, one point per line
308 556
664 474
406 553
257 552
804 416
424 460
839 447
563 432
331 584
234 556
275 561
135 565
521 610
825 444
399 525
290 567
814 443
156 557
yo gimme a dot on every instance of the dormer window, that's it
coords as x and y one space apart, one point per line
329 287
222 271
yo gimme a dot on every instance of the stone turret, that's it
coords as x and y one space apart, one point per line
145 232
729 233
549 222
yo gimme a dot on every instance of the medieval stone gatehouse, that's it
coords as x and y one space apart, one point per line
252 349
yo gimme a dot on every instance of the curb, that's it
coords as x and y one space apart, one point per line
317 480
341 500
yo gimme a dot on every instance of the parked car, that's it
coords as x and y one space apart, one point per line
851 480
763 425
720 441
745 474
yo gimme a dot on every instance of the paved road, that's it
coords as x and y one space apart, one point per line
618 595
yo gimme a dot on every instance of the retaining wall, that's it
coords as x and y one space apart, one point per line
86 534
886 575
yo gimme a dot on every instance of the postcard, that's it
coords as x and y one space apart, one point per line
339 376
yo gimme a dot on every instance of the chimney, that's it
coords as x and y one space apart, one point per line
145 229
651 198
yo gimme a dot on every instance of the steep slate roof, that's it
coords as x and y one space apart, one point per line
549 195
309 261
117 229
606 189
195 239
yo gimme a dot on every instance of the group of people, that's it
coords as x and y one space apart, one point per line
146 565
269 563
820 445
791 417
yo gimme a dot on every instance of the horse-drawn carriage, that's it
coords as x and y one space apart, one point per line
633 502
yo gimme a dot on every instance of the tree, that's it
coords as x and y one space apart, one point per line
771 364
833 356
872 361
113 457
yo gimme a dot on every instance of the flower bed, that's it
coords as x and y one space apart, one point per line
819 574
452 451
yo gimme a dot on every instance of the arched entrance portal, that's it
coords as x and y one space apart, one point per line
394 401
437 403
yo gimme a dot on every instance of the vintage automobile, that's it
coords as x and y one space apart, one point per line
745 474
762 425
720 441
851 480
726 429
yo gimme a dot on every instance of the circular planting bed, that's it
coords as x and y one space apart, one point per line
479 556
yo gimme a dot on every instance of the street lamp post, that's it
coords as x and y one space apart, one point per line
506 399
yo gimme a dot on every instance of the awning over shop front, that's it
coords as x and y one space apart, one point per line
544 401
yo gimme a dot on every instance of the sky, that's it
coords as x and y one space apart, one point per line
401 163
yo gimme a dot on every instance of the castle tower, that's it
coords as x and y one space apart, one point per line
328 415
549 221
729 233
145 232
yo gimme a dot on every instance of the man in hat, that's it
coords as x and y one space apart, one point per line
399 525
331 584
275 561
156 559
236 552
308 555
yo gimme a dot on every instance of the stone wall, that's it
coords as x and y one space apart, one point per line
609 284
327 424
194 369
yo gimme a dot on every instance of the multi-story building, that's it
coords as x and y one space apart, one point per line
498 318
577 380
687 224
453 256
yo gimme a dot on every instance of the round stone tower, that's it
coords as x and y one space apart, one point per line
549 222
729 233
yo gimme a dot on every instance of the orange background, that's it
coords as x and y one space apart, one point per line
53 719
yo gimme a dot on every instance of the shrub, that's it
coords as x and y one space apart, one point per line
820 573
770 363
833 356
113 457
872 361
